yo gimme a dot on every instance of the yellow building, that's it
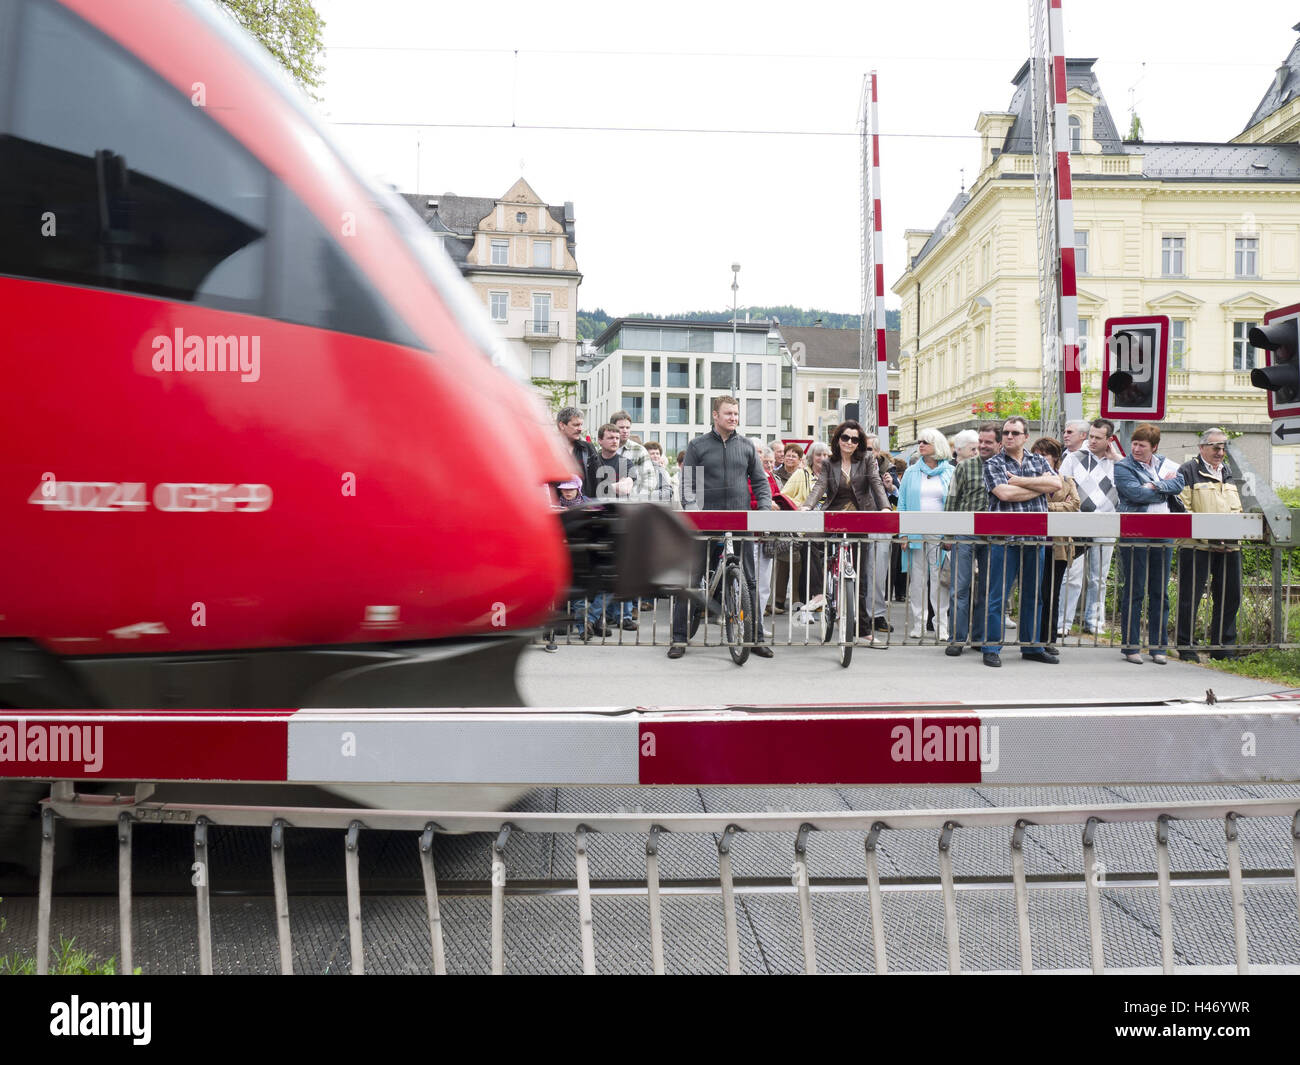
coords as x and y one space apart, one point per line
1208 234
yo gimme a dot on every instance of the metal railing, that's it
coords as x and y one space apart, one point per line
1095 601
726 831
536 327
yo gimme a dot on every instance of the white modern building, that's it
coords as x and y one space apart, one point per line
665 373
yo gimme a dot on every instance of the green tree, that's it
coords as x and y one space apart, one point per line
290 30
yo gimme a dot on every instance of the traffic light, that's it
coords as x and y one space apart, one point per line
1280 375
1134 372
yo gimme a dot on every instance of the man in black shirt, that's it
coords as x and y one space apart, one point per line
569 422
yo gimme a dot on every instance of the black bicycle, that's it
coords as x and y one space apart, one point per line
841 588
737 609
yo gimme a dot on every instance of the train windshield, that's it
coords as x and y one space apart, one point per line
437 268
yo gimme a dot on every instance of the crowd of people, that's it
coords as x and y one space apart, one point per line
959 587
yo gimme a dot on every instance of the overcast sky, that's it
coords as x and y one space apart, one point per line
662 215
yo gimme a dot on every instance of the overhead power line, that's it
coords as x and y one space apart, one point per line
596 53
653 129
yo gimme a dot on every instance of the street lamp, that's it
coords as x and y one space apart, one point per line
735 287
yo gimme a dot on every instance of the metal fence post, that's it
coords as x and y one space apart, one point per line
124 891
46 893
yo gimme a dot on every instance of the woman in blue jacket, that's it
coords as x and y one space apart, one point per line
1145 482
925 488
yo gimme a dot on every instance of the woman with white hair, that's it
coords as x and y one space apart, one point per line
925 488
965 445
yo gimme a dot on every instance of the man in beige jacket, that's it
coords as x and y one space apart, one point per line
1209 490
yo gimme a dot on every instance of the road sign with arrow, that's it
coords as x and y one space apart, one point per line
1286 430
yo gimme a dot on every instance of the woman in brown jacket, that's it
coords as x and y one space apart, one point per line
1056 560
849 480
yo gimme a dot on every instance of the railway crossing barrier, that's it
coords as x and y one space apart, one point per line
990 746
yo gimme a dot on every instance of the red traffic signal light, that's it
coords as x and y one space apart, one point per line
1134 371
1280 375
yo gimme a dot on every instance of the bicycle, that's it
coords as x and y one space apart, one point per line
842 587
737 608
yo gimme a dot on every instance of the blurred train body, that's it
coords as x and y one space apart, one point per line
257 451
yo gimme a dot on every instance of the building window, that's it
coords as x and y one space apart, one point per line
542 312
582 393
1085 327
634 404
679 411
754 376
720 376
787 378
893 399
1178 344
1247 256
1080 251
1076 134
786 415
654 373
654 409
676 442
812 397
832 399
986 262
501 253
541 362
1171 256
499 302
699 411
771 412
753 412
521 217
1243 355
633 371
679 373
542 253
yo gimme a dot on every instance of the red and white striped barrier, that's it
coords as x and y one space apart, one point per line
1080 744
1069 305
966 523
878 263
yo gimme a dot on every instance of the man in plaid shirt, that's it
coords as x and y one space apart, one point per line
1017 481
967 493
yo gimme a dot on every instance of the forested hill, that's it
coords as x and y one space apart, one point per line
592 323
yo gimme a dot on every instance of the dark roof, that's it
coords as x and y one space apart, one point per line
1078 75
945 224
835 349
1225 162
1284 88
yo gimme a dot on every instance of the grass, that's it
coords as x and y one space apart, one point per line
68 960
1280 666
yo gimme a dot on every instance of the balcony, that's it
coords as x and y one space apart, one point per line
541 330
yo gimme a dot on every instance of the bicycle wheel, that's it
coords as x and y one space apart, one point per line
737 617
848 628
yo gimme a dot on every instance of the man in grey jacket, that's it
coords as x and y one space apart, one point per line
717 473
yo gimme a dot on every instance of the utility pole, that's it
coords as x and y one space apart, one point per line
735 288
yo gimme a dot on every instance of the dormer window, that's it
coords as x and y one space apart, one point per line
1076 134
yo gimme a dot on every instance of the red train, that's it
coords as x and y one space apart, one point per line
256 451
